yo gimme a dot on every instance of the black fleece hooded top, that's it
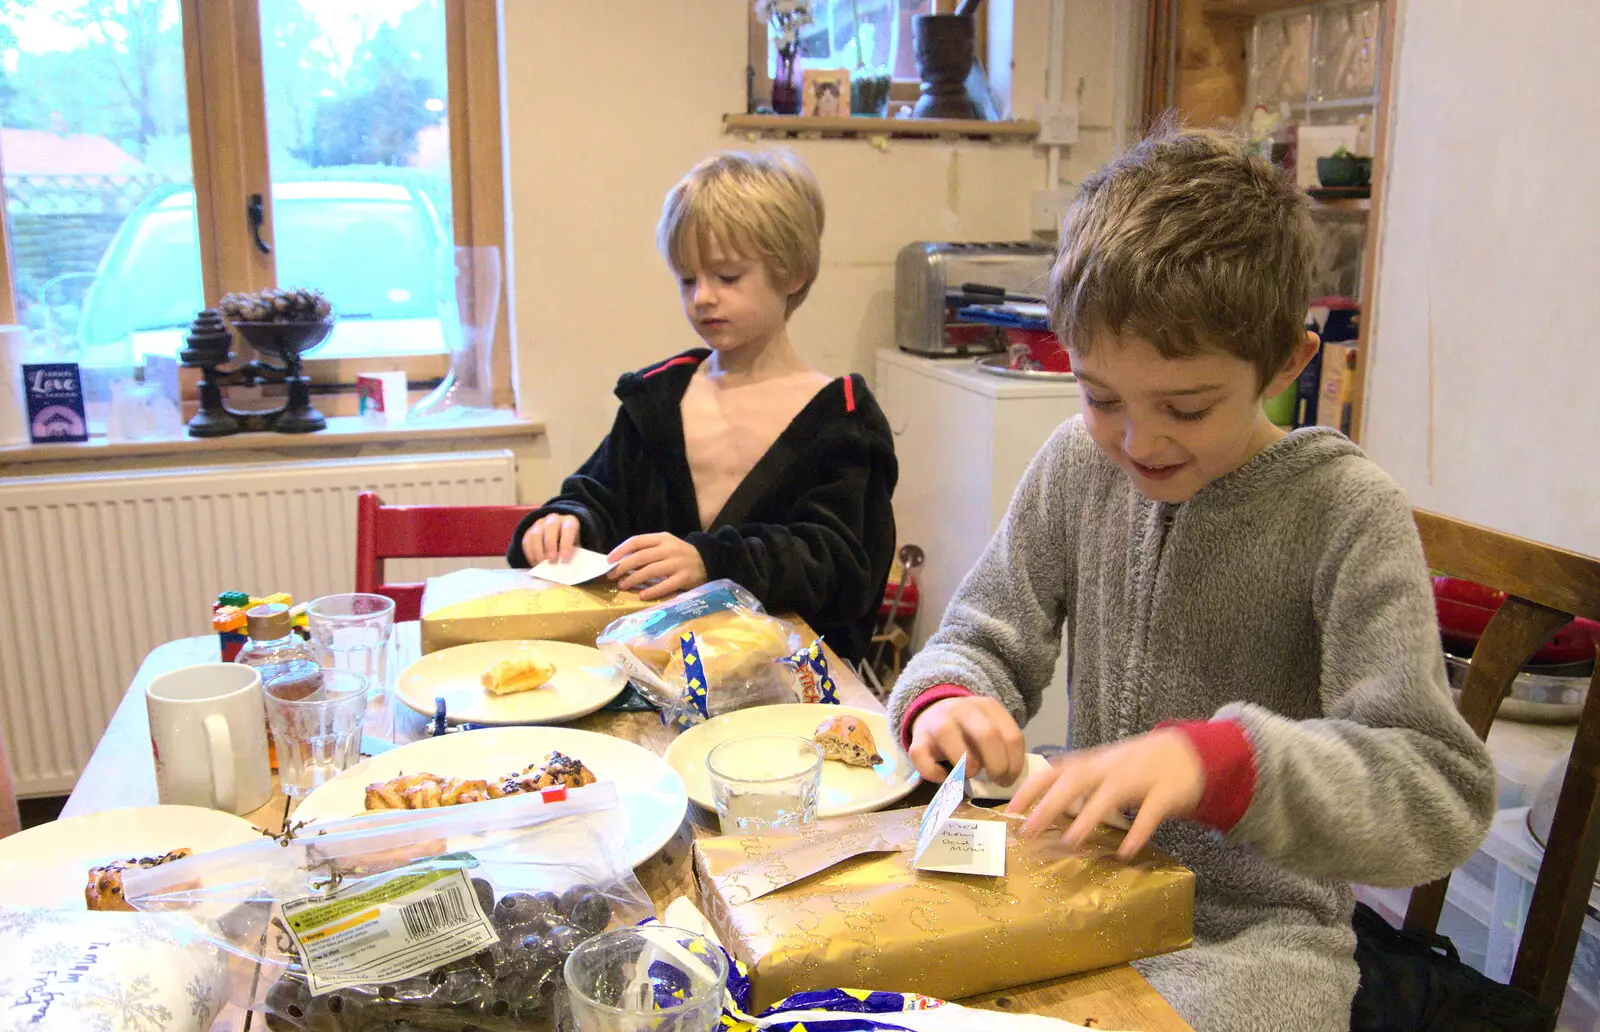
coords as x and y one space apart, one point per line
809 531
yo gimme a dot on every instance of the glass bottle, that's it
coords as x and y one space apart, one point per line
280 656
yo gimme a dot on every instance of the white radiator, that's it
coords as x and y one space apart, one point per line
98 569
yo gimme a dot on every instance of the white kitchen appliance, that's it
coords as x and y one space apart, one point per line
964 437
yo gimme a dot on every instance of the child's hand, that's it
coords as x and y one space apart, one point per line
673 563
1158 773
975 726
551 537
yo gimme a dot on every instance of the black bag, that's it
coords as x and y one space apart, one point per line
1415 982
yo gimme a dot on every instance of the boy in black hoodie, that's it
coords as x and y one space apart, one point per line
738 460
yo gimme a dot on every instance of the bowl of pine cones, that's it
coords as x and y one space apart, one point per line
286 322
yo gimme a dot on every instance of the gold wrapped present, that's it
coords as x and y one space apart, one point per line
501 605
840 906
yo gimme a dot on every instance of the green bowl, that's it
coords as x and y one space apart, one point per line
1344 170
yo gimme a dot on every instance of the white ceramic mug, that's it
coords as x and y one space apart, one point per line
208 733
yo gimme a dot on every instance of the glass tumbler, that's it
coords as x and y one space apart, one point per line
317 734
765 784
354 632
650 978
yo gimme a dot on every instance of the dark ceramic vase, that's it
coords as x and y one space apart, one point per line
945 45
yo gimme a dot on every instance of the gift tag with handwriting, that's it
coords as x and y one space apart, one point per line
958 847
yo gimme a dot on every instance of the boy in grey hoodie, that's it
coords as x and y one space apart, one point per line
1254 657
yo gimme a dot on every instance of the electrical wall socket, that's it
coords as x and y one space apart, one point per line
1047 210
1058 123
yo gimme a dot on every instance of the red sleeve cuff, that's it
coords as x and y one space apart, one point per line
922 702
1229 763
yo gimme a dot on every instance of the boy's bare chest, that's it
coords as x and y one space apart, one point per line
726 430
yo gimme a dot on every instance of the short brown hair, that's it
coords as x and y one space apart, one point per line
763 206
1189 241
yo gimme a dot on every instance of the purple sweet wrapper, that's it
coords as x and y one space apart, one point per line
811 669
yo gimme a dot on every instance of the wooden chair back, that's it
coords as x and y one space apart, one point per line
1547 587
425 532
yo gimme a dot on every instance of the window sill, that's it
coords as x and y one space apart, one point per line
1014 131
342 430
1344 204
1249 9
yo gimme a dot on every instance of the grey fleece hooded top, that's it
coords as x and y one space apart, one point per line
1289 597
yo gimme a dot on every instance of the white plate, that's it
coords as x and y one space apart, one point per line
48 866
652 794
584 681
845 789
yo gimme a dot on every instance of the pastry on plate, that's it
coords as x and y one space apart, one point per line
518 675
104 891
847 739
557 769
426 791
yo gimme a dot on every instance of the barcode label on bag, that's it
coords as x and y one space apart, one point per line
447 910
371 934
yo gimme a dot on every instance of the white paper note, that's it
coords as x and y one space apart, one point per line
584 566
958 847
943 804
967 847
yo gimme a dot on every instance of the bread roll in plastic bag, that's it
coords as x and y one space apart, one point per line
741 651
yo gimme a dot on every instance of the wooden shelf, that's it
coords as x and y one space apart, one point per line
1343 203
342 431
1249 8
912 128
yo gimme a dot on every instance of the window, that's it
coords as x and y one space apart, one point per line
884 35
358 135
94 139
353 120
1318 62
830 41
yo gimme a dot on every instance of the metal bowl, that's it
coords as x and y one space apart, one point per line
1539 695
1000 365
1542 813
284 338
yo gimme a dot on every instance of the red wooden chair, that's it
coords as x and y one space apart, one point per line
425 532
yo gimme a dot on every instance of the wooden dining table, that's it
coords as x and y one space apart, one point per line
121 773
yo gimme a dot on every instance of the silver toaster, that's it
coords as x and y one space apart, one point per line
929 282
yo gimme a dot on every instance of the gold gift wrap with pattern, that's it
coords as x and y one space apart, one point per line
841 906
512 605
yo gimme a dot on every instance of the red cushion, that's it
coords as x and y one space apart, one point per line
908 601
1465 609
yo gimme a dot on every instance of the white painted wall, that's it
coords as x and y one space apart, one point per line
610 103
1481 397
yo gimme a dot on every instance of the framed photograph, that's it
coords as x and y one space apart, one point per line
825 93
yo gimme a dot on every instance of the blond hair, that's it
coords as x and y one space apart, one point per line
765 207
1190 242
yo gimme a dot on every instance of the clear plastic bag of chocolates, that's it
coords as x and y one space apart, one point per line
449 919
